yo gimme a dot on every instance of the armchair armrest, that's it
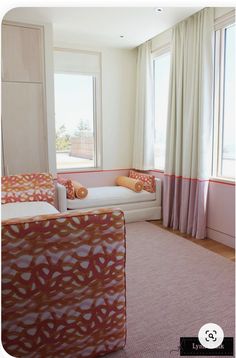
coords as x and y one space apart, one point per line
158 191
61 198
63 284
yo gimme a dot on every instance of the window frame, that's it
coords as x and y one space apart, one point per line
166 48
97 117
221 24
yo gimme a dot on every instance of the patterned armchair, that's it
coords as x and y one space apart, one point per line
28 187
63 285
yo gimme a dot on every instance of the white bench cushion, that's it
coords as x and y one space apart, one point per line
109 195
22 209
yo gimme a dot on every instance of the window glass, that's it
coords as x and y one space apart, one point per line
228 156
161 85
74 117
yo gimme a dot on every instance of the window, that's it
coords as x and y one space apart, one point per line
224 150
74 116
161 90
77 83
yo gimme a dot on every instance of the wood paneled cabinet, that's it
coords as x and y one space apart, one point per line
23 127
24 130
22 49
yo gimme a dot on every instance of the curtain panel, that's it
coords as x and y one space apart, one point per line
189 126
143 153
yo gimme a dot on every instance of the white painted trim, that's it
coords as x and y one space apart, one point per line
222 180
22 24
49 97
82 73
225 20
221 237
219 65
78 170
76 50
161 50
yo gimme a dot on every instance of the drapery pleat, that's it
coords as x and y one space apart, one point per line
143 152
189 127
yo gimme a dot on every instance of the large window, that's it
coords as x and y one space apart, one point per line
161 87
224 153
74 116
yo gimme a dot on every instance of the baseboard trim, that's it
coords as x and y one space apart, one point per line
221 237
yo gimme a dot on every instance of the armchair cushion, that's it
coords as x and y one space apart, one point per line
149 182
28 187
68 184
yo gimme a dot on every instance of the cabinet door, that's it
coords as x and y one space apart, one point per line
23 128
22 54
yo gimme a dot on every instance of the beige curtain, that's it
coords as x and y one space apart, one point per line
143 153
189 128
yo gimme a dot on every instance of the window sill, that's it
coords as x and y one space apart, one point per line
222 180
157 170
78 170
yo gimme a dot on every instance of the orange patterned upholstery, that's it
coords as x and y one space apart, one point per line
68 184
148 180
28 187
80 191
63 285
130 183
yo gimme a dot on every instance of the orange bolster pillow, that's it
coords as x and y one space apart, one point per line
80 191
133 184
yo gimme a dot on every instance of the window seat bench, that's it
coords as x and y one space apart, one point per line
136 206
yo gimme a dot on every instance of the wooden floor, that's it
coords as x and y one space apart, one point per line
209 244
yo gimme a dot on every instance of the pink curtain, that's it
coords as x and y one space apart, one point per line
185 205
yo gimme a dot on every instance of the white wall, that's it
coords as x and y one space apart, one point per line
118 105
118 80
118 98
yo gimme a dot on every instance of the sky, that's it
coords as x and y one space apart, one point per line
73 100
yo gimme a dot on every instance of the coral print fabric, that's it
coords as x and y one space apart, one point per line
28 187
63 285
68 184
149 183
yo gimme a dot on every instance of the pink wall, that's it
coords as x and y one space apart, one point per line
157 173
221 200
221 212
95 178
160 175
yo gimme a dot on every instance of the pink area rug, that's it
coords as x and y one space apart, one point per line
173 288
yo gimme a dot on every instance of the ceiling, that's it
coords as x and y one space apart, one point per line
103 26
